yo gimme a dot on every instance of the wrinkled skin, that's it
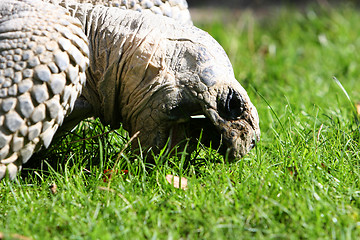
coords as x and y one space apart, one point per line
161 78
148 72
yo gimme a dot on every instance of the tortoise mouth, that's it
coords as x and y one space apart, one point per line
209 135
194 130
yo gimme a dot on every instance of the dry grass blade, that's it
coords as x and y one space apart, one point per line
358 108
53 188
121 152
126 146
14 237
175 181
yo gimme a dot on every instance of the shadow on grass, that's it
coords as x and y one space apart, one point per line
94 149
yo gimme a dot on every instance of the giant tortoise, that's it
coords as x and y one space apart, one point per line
139 63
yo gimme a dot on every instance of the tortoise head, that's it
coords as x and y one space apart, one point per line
214 103
188 89
165 77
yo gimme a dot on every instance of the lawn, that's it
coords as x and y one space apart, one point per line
300 182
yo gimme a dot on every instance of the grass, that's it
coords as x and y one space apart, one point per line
301 181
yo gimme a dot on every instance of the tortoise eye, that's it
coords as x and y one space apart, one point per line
232 107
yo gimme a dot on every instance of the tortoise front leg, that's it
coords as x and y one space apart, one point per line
43 58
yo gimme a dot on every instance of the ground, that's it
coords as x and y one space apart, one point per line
300 182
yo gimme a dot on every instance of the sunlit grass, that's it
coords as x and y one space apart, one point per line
301 181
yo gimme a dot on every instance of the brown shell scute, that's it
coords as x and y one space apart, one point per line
35 70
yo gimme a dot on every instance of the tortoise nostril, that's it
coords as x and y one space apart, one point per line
233 106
